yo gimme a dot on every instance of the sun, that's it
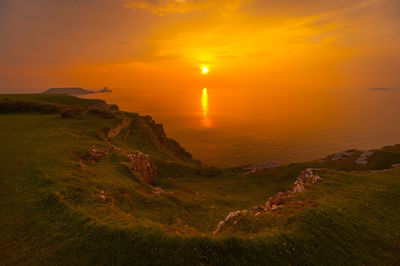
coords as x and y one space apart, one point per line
205 70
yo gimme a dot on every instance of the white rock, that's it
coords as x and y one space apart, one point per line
363 159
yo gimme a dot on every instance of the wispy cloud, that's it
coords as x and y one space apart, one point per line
162 7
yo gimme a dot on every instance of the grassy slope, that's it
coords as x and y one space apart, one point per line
52 213
63 99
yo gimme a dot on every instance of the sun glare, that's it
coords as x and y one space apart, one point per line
205 70
204 104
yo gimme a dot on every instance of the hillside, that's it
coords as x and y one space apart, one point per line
74 91
84 183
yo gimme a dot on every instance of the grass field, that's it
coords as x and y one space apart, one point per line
54 211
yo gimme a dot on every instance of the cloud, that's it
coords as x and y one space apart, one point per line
161 7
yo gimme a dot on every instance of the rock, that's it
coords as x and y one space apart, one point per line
143 164
178 220
299 189
260 167
158 190
113 132
155 133
268 205
343 155
112 107
103 197
244 212
232 218
114 147
97 154
274 207
306 177
82 164
219 227
316 178
363 159
258 209
396 165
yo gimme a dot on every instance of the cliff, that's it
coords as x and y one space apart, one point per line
82 182
70 91
74 91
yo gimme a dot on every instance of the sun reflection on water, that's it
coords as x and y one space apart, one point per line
204 104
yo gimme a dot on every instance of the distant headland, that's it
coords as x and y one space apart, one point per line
74 91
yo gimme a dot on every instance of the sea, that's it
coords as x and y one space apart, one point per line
235 127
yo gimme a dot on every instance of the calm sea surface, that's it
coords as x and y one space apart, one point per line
235 127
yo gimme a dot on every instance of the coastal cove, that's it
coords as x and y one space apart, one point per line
238 127
118 191
199 132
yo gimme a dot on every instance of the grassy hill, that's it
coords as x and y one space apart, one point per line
69 91
70 195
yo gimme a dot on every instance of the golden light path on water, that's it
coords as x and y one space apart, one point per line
204 104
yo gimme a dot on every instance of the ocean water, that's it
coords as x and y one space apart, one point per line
233 127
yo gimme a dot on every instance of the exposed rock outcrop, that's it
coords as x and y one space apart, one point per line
307 177
158 190
141 163
97 154
113 132
103 197
396 165
232 218
363 159
343 155
260 167
144 165
112 107
304 179
94 155
155 135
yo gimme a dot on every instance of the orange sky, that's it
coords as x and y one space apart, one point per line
163 44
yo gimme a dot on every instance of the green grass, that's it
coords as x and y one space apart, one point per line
63 99
52 212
